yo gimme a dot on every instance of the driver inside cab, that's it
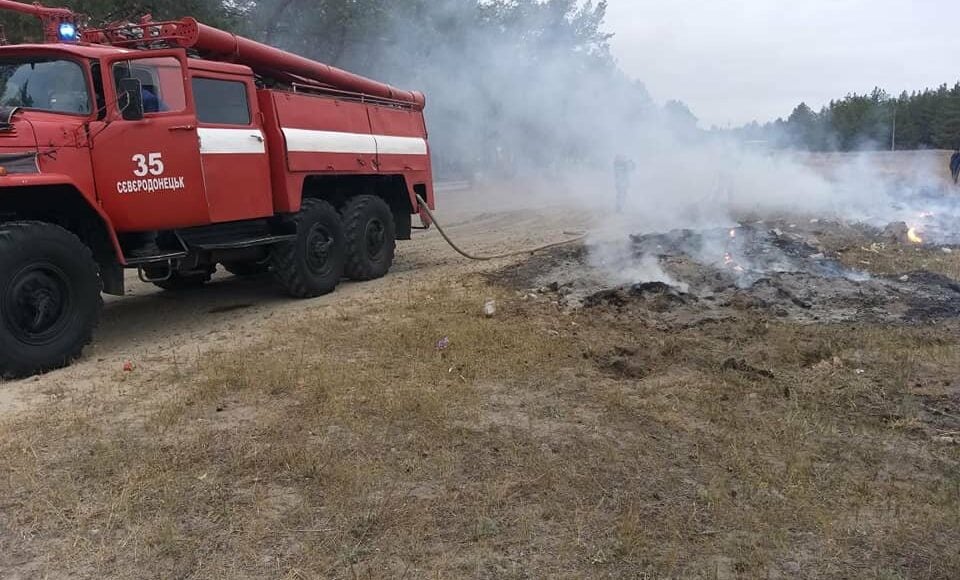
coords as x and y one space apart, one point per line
152 102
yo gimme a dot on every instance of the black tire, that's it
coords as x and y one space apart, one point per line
312 264
49 297
246 268
178 282
371 237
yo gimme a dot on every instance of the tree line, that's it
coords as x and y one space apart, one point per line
928 119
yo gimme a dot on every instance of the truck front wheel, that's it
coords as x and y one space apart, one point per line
313 263
49 297
371 237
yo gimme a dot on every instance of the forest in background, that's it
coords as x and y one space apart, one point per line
927 119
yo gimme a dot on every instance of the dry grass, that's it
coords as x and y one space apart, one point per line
916 166
891 259
536 445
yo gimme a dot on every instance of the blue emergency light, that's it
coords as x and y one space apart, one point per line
68 32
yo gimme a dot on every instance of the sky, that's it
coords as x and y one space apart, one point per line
734 61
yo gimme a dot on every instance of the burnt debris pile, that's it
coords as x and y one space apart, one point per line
773 269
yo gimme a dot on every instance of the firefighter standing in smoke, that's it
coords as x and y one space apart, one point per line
955 165
622 168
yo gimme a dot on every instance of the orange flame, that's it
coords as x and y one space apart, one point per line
729 262
913 236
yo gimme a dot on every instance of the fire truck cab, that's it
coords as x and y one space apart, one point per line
202 149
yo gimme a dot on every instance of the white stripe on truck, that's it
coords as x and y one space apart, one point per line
221 141
240 141
388 145
310 141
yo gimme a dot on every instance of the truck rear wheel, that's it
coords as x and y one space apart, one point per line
371 237
312 264
49 297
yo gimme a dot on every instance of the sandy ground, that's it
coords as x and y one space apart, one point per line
153 328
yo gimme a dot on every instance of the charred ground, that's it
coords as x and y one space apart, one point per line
813 274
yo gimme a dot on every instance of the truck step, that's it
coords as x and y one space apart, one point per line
166 257
238 244
227 235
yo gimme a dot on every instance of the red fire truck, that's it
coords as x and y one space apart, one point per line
172 147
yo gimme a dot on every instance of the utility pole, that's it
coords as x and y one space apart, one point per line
893 133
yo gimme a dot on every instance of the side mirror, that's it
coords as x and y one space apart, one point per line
130 96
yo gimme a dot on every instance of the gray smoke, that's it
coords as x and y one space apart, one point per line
717 185
525 91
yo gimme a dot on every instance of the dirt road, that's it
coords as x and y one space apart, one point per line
154 329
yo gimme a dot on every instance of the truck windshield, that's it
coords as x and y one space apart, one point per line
45 84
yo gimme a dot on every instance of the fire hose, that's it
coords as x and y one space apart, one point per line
426 208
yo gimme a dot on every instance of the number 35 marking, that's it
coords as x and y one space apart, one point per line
151 163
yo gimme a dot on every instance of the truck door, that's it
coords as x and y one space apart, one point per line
236 168
148 171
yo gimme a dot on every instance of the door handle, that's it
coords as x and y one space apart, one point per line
182 128
257 137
